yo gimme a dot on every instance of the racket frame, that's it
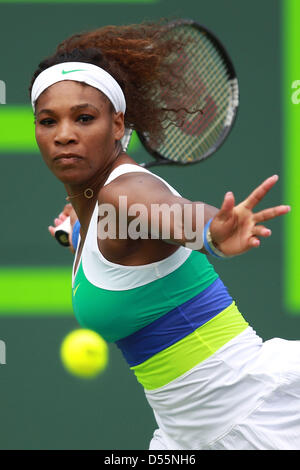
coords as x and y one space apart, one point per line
234 104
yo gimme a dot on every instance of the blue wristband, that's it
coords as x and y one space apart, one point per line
209 246
75 234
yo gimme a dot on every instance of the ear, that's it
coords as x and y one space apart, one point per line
118 125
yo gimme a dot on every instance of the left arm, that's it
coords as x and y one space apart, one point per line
235 229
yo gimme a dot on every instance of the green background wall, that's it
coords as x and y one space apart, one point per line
41 406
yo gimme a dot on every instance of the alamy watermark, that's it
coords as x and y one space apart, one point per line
296 94
2 92
182 222
2 352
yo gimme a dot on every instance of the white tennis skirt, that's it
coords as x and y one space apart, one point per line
244 397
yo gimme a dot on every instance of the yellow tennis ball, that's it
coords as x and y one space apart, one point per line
84 353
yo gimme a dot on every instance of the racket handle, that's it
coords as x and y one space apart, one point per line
126 138
62 232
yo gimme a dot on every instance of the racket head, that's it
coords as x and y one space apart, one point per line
213 87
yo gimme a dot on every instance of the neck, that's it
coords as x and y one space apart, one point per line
83 205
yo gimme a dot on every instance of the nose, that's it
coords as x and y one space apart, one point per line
65 134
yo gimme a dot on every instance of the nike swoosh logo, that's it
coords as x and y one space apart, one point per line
76 290
69 71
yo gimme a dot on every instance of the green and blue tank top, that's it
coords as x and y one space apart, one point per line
165 317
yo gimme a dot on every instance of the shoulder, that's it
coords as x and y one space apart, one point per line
136 186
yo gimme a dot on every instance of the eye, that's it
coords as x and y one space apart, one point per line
82 118
46 122
85 117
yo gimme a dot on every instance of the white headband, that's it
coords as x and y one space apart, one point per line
80 72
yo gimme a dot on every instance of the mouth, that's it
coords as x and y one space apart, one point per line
67 159
67 156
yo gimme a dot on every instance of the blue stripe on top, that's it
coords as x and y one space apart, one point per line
175 325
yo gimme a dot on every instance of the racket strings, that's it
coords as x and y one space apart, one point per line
198 89
207 127
198 122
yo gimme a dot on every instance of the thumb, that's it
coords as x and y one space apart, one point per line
227 206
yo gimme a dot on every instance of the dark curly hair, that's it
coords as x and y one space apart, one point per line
142 59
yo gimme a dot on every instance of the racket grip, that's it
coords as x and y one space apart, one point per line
62 232
126 139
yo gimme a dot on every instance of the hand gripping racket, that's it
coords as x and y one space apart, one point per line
212 91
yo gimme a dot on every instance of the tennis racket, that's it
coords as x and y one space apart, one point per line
213 92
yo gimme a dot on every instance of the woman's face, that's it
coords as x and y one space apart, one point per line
76 131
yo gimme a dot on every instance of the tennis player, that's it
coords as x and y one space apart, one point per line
210 379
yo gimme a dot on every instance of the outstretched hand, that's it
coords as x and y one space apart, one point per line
234 229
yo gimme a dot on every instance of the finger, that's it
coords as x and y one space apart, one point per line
271 213
51 230
227 206
254 242
57 222
67 209
259 193
261 231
